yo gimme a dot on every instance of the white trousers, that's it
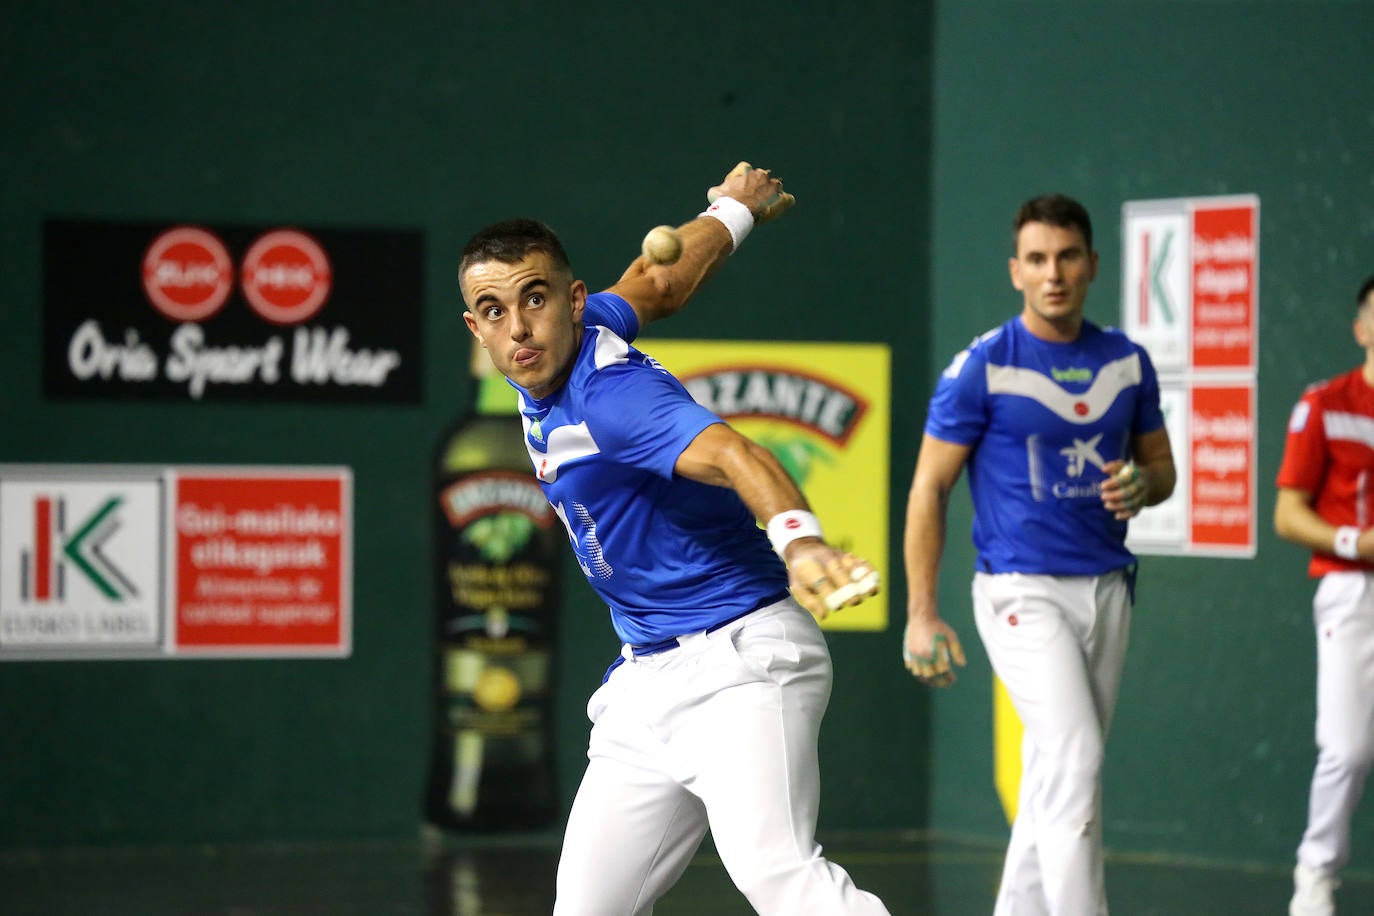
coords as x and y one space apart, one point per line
720 732
1343 611
1058 644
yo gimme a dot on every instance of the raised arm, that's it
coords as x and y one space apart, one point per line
930 647
656 291
823 578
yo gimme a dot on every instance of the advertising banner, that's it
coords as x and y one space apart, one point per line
107 561
197 313
1190 297
1190 270
823 409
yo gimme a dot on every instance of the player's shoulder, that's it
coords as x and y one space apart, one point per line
1112 338
978 352
1330 394
610 310
1334 388
608 361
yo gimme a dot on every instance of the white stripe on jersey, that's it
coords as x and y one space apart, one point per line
565 444
611 349
1114 378
1348 427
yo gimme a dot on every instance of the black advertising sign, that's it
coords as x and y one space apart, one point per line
213 313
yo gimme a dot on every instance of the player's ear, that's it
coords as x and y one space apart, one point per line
471 322
1362 334
1014 268
577 293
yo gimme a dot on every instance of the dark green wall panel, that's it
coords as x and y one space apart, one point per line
442 117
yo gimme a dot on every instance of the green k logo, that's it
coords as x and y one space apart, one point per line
83 549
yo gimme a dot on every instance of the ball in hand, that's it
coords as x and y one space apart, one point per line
662 245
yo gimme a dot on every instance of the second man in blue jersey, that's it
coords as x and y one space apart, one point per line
1058 422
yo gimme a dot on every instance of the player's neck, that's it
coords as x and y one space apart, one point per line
1058 330
1368 371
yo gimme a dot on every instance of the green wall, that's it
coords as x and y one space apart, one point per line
908 134
440 117
1212 747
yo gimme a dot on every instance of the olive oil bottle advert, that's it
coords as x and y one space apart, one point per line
498 549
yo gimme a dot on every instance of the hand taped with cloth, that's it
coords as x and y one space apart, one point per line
825 579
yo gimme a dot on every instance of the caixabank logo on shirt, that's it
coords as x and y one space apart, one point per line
197 313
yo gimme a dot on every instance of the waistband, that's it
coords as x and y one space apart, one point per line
665 645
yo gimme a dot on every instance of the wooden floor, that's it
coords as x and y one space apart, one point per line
514 876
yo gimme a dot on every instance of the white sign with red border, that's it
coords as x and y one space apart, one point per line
1190 297
161 562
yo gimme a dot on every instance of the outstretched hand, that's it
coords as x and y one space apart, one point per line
757 189
825 579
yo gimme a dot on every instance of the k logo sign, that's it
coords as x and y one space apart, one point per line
74 563
82 549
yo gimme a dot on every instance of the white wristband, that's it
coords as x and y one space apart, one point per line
734 215
787 526
1347 543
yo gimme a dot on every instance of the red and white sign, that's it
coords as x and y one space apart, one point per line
187 273
147 562
1225 264
259 561
286 276
1221 456
1190 270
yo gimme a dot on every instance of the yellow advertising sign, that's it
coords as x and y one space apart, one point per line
824 410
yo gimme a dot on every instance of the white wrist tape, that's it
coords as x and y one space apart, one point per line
734 215
1347 542
787 526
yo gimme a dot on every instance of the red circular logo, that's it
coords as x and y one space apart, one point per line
791 524
187 273
1081 409
1011 619
286 276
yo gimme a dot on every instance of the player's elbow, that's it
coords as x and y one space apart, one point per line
1164 485
1290 509
670 293
1283 525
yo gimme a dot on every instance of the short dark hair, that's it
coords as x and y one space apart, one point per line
1055 210
511 240
1365 288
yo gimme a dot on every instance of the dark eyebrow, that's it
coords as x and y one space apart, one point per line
524 291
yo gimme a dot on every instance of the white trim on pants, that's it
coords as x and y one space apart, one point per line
1058 644
721 732
1343 614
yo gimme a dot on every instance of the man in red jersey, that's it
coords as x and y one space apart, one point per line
1326 502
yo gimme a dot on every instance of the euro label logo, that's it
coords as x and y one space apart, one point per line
44 569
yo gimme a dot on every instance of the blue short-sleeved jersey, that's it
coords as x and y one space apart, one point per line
1042 419
670 556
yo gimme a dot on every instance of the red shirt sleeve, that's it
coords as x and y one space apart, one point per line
1304 452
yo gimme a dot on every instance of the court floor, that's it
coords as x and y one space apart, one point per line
513 876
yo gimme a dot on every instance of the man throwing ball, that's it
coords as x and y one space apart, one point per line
710 715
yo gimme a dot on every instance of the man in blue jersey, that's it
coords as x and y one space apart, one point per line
1059 424
710 715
